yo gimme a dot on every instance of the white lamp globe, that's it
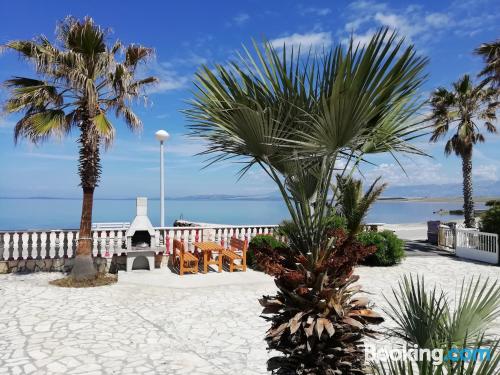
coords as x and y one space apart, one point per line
162 135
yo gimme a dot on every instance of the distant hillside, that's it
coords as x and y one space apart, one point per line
481 189
442 191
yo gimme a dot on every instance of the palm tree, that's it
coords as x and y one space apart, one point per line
80 79
465 108
353 205
427 319
304 119
491 56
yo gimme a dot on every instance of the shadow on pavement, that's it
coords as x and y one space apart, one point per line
423 248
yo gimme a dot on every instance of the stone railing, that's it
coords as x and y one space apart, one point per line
53 250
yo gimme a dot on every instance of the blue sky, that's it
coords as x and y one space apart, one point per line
186 34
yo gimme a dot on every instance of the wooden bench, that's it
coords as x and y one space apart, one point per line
237 251
187 261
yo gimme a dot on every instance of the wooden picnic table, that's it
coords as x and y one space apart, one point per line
207 248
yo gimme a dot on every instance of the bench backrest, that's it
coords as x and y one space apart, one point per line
237 244
178 246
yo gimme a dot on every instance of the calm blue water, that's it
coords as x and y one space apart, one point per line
59 214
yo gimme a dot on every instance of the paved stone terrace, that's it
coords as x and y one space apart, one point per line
157 323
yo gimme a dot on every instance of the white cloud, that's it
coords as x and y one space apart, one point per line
241 19
169 78
437 19
313 40
355 24
367 6
360 39
315 11
420 171
412 21
485 172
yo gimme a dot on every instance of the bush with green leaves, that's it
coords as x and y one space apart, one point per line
259 242
490 220
262 240
390 248
337 222
492 202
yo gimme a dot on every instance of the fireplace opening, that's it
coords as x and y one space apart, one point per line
140 263
141 238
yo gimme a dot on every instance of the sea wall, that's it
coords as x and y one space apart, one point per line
103 265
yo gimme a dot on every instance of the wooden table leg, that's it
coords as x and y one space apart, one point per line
205 261
220 261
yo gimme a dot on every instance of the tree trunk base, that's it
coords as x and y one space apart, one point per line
83 268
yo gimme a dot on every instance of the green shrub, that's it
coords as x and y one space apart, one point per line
492 203
390 249
490 220
262 241
337 222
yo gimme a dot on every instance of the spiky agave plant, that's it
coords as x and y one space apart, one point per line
427 319
299 118
318 319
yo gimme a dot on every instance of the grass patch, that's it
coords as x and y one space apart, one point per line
99 280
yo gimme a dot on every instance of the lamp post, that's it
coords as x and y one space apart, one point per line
162 136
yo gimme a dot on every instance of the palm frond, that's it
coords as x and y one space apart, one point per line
39 126
476 308
420 315
104 128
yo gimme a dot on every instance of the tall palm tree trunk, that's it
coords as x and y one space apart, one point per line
470 222
83 267
89 170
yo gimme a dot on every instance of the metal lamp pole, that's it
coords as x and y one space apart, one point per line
162 136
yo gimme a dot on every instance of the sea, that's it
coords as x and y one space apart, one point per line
43 213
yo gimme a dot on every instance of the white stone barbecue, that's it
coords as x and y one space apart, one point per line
141 227
140 238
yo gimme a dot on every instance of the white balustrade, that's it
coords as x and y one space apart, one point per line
53 244
475 245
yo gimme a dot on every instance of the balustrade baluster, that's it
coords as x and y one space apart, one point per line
57 245
107 242
156 241
217 236
38 245
68 240
247 236
50 245
30 245
102 239
2 245
63 240
19 245
45 245
95 244
190 246
10 245
76 237
167 242
119 242
112 242
223 237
